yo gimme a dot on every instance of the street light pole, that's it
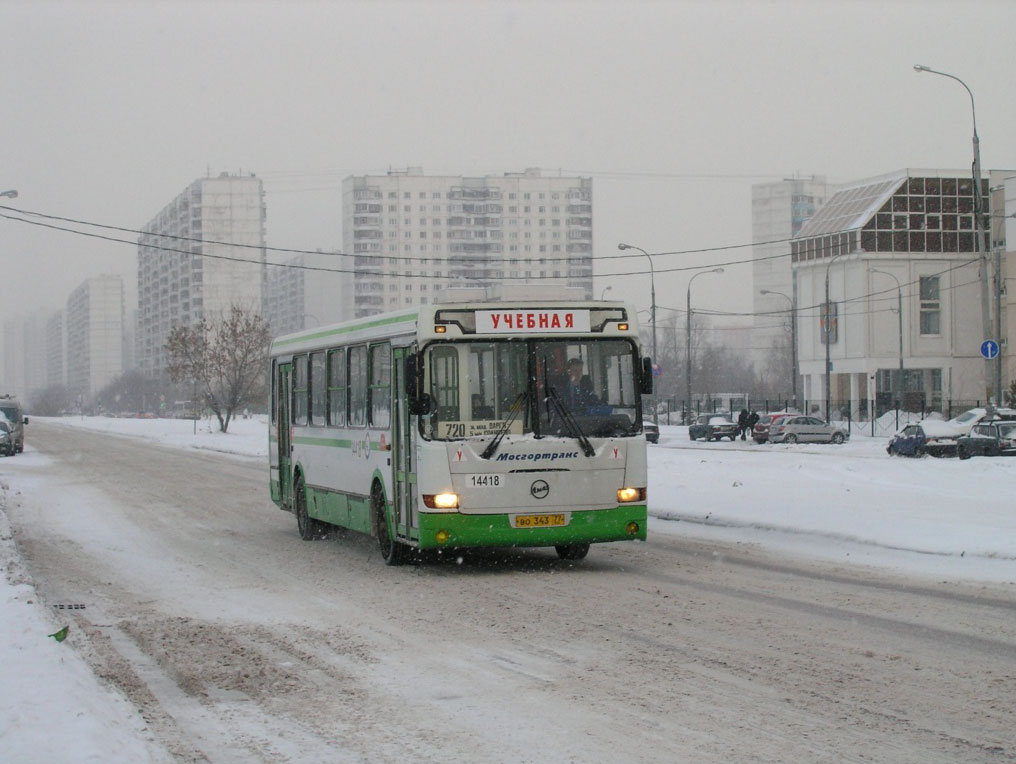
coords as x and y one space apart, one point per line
9 194
687 368
793 338
899 309
826 333
979 228
605 290
652 317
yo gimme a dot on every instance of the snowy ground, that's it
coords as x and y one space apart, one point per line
852 503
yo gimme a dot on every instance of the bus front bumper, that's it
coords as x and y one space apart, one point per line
451 530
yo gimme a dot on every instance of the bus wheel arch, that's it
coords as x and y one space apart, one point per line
393 552
310 528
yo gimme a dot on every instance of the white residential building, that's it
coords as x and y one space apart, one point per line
56 349
201 254
778 212
309 290
95 315
412 235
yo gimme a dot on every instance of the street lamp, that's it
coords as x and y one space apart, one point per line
10 194
793 338
687 339
826 333
899 309
979 227
652 316
605 290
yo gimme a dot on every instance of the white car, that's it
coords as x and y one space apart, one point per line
806 429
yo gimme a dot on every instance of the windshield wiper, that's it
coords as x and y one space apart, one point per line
569 421
512 413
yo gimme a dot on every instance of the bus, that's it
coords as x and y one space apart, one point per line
463 425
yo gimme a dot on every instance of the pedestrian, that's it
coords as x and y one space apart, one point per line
752 421
742 422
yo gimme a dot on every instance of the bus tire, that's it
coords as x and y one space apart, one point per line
310 529
572 551
392 552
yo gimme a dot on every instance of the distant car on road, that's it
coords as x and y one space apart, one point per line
7 447
760 432
805 429
12 411
997 438
713 427
652 432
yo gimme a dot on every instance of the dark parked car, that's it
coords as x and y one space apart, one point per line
928 437
992 439
760 432
713 427
652 432
7 446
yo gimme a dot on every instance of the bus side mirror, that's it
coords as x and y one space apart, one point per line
419 401
647 376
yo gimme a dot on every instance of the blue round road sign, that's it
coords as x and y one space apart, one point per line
989 349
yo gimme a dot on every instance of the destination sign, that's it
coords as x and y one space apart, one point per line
531 321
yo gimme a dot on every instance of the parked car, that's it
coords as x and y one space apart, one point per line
713 427
760 432
652 432
930 436
14 414
995 438
7 447
805 429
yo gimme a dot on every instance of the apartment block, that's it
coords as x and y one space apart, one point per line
56 348
413 235
95 316
309 290
203 253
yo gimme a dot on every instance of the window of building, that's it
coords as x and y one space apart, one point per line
931 313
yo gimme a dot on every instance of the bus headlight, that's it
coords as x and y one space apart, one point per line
625 495
441 500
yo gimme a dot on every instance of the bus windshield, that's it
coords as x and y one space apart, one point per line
474 384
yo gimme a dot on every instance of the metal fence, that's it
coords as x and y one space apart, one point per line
888 418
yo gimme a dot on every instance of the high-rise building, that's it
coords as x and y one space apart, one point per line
413 235
24 355
311 289
95 314
56 346
203 253
778 212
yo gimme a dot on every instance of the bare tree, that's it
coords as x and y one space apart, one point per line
227 360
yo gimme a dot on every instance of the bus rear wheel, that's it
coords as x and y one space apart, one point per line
310 529
392 552
572 551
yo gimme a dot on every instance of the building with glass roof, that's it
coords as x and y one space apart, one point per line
906 238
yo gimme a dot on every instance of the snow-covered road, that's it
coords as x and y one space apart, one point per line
236 641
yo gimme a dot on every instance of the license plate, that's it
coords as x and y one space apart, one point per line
539 521
485 481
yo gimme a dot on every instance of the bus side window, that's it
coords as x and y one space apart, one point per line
444 383
357 411
380 385
300 390
337 387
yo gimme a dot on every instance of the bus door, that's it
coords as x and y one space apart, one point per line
403 442
284 434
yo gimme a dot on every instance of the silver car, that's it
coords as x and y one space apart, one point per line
805 429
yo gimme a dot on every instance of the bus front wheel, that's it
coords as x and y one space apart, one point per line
310 529
572 551
392 552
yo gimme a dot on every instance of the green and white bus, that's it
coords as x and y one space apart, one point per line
463 425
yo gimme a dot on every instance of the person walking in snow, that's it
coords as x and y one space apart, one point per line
752 421
742 422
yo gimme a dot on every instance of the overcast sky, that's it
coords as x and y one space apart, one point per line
111 109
